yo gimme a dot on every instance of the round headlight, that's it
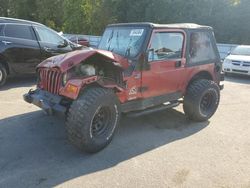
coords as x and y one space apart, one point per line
64 79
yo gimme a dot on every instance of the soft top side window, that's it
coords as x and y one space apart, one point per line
18 31
165 46
201 48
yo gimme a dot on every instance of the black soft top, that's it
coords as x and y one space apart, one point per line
162 26
20 21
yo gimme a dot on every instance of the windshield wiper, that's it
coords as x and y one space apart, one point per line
117 41
110 38
127 52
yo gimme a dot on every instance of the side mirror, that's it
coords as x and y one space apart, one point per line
228 53
63 44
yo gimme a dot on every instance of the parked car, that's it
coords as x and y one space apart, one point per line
138 69
24 44
79 40
238 61
224 49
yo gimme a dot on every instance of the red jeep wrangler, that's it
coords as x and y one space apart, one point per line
138 68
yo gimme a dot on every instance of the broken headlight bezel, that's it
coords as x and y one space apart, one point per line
64 78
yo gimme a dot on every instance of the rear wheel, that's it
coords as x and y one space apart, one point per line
93 119
201 100
3 75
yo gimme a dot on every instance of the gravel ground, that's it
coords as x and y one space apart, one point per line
158 150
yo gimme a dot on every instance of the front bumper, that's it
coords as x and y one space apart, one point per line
50 103
236 69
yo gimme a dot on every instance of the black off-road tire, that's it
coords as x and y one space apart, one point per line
3 75
201 100
96 108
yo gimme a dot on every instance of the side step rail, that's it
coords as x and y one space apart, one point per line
153 109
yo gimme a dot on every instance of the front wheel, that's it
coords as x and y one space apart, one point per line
93 119
201 100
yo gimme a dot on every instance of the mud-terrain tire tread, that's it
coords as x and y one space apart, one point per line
193 98
79 116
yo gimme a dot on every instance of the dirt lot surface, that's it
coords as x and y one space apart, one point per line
158 150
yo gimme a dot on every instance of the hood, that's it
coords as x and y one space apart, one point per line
66 61
238 58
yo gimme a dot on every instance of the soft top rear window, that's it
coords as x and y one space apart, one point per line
201 48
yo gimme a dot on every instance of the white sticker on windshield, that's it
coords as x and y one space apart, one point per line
136 32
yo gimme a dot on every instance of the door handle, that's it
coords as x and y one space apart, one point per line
178 64
49 50
6 42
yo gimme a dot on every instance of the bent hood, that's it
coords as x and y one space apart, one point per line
66 61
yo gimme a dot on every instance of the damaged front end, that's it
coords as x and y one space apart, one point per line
50 103
62 78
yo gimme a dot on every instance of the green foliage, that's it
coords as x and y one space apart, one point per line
73 17
230 18
50 12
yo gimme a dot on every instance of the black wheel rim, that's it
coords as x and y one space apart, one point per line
207 103
101 121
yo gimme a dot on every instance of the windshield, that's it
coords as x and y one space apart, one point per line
241 50
125 41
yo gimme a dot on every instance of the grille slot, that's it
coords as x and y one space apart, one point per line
241 63
51 80
246 64
241 71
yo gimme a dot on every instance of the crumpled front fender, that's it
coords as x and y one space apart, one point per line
80 84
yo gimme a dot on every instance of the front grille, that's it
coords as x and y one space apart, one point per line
241 63
240 71
246 64
237 63
50 80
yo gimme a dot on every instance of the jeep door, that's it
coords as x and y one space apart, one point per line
51 43
166 64
20 48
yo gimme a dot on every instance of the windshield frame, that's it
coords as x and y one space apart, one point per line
141 47
242 49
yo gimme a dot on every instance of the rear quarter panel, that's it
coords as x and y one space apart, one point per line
192 71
